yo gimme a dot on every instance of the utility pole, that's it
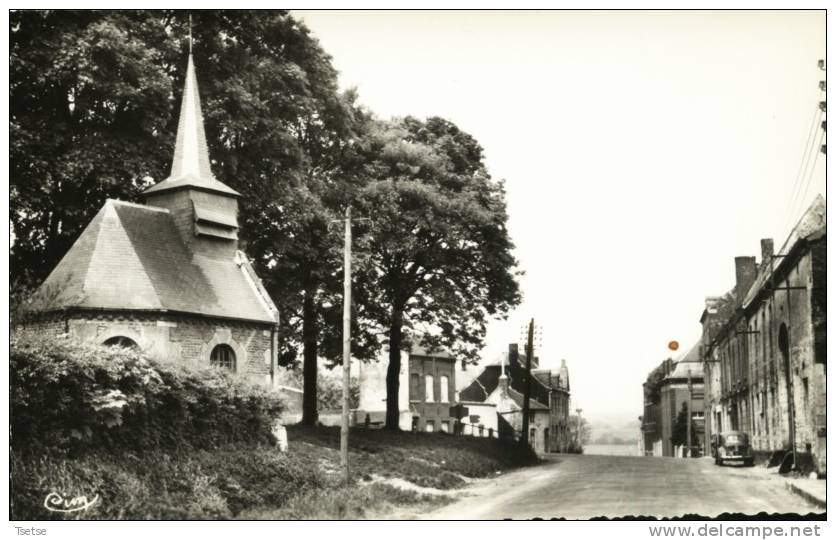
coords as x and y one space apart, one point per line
346 344
529 352
823 105
688 430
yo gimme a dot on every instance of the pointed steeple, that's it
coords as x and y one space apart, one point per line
191 166
204 210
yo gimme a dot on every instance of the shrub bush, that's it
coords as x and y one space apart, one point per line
75 396
198 484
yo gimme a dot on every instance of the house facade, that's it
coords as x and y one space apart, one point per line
770 353
166 276
503 385
673 386
427 391
683 389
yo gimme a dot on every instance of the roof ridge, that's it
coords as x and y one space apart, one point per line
138 205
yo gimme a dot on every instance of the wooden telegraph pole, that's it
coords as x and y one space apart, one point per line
529 352
346 344
688 423
346 340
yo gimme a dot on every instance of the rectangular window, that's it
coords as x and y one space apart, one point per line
414 387
444 389
445 426
429 394
430 426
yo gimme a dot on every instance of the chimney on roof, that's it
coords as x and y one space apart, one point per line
709 319
564 375
745 272
503 379
513 355
767 250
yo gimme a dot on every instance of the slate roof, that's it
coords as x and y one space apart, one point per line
487 381
688 361
418 350
482 386
543 376
812 225
533 404
681 370
131 257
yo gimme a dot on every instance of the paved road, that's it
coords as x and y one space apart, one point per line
580 487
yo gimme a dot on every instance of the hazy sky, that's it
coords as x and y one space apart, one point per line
642 152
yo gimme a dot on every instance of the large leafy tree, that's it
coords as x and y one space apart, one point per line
94 97
90 116
437 261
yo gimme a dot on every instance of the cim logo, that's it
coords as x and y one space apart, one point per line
56 502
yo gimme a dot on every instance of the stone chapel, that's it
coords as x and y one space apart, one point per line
166 276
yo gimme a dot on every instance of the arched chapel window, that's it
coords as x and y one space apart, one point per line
121 341
223 357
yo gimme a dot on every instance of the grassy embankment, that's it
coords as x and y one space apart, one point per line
155 440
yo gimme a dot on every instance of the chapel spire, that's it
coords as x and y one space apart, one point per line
204 210
191 166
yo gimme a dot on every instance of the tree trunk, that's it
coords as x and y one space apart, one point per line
310 415
394 371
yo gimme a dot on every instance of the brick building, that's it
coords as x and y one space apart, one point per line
670 387
426 393
683 388
768 357
432 390
726 346
166 276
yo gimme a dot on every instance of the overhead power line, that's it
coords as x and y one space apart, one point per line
802 166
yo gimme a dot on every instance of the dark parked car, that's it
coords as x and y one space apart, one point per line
732 447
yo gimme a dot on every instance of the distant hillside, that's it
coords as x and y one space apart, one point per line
614 430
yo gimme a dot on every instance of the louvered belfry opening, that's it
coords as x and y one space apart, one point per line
205 210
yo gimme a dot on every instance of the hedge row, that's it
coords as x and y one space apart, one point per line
73 396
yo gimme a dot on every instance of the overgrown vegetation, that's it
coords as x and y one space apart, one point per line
198 484
435 460
72 396
152 439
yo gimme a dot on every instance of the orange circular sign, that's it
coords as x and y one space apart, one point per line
673 345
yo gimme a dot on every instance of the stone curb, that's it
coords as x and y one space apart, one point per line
806 495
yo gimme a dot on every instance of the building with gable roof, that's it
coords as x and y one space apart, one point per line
167 276
427 392
674 385
766 359
502 384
